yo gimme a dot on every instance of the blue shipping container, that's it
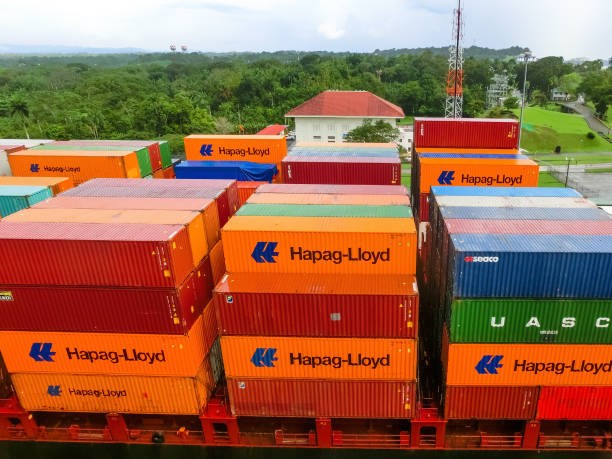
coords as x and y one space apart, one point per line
471 156
534 266
504 191
243 171
16 197
523 213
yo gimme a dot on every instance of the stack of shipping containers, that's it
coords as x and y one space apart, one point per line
525 277
318 311
130 326
343 163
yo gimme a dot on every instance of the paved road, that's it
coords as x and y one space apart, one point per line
587 114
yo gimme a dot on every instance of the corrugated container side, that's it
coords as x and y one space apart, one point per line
107 310
165 153
317 305
217 262
113 393
329 199
254 148
474 402
246 189
424 207
320 245
104 353
341 170
536 266
464 226
465 133
322 398
331 189
504 191
319 358
575 403
517 320
56 184
325 210
14 198
528 365
118 255
521 213
513 201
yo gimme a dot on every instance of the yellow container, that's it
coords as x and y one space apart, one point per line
115 394
194 221
79 165
104 353
57 184
320 245
319 358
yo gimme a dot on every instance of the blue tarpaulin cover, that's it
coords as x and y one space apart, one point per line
243 171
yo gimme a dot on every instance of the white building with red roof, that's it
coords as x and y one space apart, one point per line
329 116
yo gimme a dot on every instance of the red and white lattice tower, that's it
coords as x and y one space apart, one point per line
454 77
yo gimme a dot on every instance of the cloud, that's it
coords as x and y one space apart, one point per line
330 31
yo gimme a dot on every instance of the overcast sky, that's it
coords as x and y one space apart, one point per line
549 27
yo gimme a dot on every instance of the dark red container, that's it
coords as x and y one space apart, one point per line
107 309
195 185
322 398
424 207
97 190
151 146
342 170
476 402
130 255
317 305
575 403
586 227
465 133
304 188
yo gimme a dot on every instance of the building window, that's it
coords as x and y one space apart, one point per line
316 138
331 139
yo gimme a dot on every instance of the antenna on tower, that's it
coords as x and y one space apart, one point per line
454 77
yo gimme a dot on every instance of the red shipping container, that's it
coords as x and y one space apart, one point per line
575 403
466 133
586 227
318 305
342 170
11 148
107 309
152 147
217 261
129 255
246 189
331 189
424 207
168 173
322 398
230 186
472 402
97 190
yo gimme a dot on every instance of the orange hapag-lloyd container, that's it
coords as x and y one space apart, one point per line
477 172
528 364
56 184
194 221
79 165
115 393
208 208
104 353
253 148
320 245
319 358
342 199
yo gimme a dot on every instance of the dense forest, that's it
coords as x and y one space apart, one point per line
170 95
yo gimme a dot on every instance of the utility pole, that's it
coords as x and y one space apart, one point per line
526 57
454 77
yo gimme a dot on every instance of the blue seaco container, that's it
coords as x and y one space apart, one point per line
529 266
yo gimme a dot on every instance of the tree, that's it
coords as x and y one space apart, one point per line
381 131
511 102
18 107
540 97
224 126
569 83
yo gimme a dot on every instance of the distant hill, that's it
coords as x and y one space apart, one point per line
50 49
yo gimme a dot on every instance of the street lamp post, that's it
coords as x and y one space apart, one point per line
526 57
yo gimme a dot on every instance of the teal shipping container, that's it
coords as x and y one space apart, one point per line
13 198
325 210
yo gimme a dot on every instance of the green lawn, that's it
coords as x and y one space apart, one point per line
547 180
406 179
577 158
599 170
407 120
544 129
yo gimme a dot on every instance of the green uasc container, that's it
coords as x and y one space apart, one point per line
166 154
325 210
519 320
16 197
144 160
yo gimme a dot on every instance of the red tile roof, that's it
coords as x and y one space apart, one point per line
347 103
273 129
